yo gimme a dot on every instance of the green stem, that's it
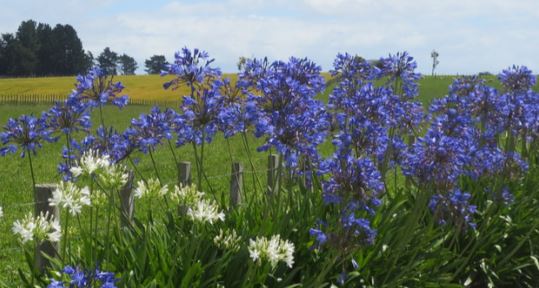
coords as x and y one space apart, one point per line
197 162
91 222
31 169
68 145
136 169
173 153
66 235
109 220
249 156
229 150
155 166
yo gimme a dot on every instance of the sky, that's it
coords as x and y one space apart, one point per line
470 36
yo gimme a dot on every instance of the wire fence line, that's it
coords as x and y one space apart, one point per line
51 98
228 175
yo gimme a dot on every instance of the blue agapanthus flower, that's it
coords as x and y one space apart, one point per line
354 68
191 68
200 118
26 133
252 71
454 208
286 111
68 117
353 190
75 277
437 158
232 115
97 89
351 179
517 79
149 130
399 70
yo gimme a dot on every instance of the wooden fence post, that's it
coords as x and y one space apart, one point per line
42 194
273 174
184 173
127 201
236 184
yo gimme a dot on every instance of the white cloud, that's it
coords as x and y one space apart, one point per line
471 36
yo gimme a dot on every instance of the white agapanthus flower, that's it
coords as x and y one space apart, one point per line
1 212
186 194
90 162
113 176
272 250
205 211
152 187
69 196
42 227
228 240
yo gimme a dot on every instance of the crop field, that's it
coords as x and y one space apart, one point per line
150 87
450 205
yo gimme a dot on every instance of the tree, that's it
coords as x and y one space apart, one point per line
68 56
127 64
26 48
7 54
435 61
46 49
88 63
155 64
107 61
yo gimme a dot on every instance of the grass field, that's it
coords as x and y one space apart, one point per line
15 181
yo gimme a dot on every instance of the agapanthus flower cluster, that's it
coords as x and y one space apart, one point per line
80 278
92 161
199 121
453 207
200 118
385 117
185 194
205 211
365 133
353 189
94 164
232 116
228 240
399 69
522 103
149 130
69 196
517 79
252 71
1 212
438 159
191 68
40 228
97 88
354 68
150 188
26 133
108 141
68 117
273 250
286 111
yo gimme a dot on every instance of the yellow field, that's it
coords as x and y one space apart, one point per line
138 87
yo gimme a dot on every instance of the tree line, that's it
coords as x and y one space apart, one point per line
37 49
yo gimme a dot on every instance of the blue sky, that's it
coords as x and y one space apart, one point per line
471 36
